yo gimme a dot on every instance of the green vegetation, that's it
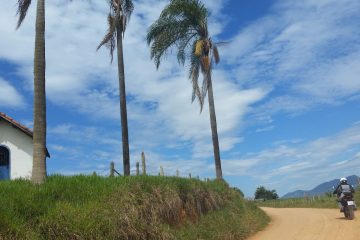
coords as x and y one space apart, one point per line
236 221
309 202
262 193
325 201
136 207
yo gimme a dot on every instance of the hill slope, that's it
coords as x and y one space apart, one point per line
321 189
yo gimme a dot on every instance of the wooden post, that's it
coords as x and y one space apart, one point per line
112 169
143 163
137 169
161 171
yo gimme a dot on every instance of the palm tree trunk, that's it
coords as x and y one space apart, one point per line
123 111
39 137
213 124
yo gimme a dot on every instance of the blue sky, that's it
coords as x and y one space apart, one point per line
287 92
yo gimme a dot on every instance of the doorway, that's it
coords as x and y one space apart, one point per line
4 163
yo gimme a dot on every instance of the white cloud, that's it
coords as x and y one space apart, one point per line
307 53
265 129
9 96
58 148
309 162
335 79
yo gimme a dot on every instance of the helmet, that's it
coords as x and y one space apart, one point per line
343 180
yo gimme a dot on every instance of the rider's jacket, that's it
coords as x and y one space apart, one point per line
344 188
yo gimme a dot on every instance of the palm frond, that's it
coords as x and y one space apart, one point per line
205 83
121 10
113 5
127 8
194 77
111 46
166 33
216 55
23 6
183 48
192 10
181 55
109 39
118 17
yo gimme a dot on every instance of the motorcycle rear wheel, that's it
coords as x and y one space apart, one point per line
346 212
350 213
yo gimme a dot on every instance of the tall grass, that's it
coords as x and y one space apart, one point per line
323 201
237 221
136 207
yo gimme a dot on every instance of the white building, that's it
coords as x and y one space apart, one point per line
16 149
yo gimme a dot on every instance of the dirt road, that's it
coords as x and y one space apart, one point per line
309 224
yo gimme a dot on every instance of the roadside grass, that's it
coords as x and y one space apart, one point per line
226 223
307 202
136 207
311 202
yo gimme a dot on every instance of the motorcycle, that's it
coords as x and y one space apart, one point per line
347 206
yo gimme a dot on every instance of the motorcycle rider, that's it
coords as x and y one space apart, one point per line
343 189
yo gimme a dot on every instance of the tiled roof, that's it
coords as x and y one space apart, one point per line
16 124
21 127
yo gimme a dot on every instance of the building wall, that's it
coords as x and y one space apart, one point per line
21 150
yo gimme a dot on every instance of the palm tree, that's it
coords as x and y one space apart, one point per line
119 15
183 24
39 132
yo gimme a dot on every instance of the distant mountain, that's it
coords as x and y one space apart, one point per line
322 188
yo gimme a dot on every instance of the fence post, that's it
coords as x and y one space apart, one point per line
137 169
112 169
143 163
161 171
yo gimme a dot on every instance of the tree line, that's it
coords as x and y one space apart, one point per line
265 194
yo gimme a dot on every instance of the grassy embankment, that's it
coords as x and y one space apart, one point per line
309 202
143 207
